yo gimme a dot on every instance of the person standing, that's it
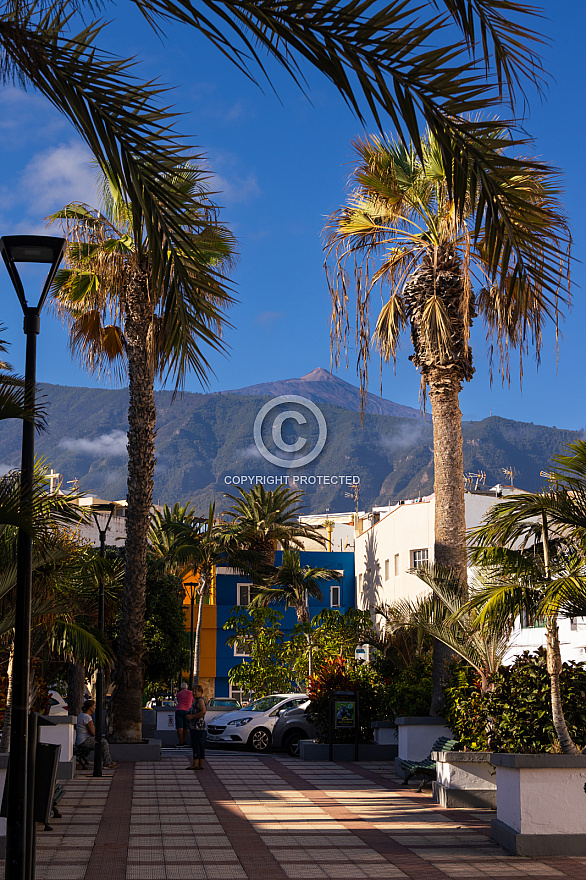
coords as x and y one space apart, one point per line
184 703
197 727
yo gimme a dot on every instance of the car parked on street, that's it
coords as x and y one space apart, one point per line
253 725
219 706
293 726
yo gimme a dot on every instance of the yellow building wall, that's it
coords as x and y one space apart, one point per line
207 655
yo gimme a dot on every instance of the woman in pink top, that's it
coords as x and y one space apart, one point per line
184 701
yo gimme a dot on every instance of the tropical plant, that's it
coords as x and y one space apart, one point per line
268 668
444 615
121 316
516 712
536 574
164 633
411 63
345 675
259 520
400 229
293 585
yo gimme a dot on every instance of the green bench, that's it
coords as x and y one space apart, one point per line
426 769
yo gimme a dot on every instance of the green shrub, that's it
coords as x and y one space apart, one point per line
407 691
345 675
518 710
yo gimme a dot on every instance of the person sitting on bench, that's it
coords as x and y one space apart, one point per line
85 740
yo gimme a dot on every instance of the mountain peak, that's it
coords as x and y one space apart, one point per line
318 375
321 386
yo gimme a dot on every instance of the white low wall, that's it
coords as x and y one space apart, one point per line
464 780
541 804
417 735
61 732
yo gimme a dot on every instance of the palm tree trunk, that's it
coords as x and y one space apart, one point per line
75 683
554 660
129 671
554 668
450 511
443 371
7 729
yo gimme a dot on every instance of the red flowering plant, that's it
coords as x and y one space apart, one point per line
345 675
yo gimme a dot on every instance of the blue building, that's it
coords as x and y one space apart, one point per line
232 589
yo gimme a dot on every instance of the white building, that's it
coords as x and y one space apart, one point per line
391 540
336 528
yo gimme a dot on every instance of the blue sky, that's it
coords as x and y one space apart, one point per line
279 168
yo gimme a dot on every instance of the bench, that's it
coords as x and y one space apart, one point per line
426 769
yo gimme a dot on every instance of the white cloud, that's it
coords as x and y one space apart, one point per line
406 437
5 469
237 189
113 443
57 176
268 318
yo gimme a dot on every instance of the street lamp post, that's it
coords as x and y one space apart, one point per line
96 510
20 825
192 587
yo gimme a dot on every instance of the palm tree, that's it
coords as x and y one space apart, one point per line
538 574
445 616
412 64
121 317
259 520
199 545
294 585
400 229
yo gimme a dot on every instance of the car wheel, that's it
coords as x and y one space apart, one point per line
259 740
292 744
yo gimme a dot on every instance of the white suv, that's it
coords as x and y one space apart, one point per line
253 725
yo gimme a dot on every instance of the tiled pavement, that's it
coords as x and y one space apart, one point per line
267 818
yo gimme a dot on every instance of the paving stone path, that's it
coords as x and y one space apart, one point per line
270 818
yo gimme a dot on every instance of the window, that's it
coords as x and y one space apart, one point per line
529 621
419 558
242 649
335 596
396 564
359 581
237 694
573 624
387 567
243 594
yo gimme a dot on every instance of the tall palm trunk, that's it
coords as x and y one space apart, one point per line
7 729
129 670
554 662
443 370
75 687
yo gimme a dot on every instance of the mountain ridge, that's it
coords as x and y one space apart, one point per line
204 440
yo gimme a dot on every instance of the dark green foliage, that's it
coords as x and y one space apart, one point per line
406 691
518 710
345 675
167 651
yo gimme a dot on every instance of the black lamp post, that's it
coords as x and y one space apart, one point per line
20 826
103 509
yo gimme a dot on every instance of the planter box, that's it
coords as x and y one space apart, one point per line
465 780
313 751
149 750
416 735
541 804
385 734
61 732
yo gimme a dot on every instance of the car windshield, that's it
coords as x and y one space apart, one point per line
265 704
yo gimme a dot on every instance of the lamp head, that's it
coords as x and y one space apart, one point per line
32 249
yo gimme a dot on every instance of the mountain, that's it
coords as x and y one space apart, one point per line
205 440
322 386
